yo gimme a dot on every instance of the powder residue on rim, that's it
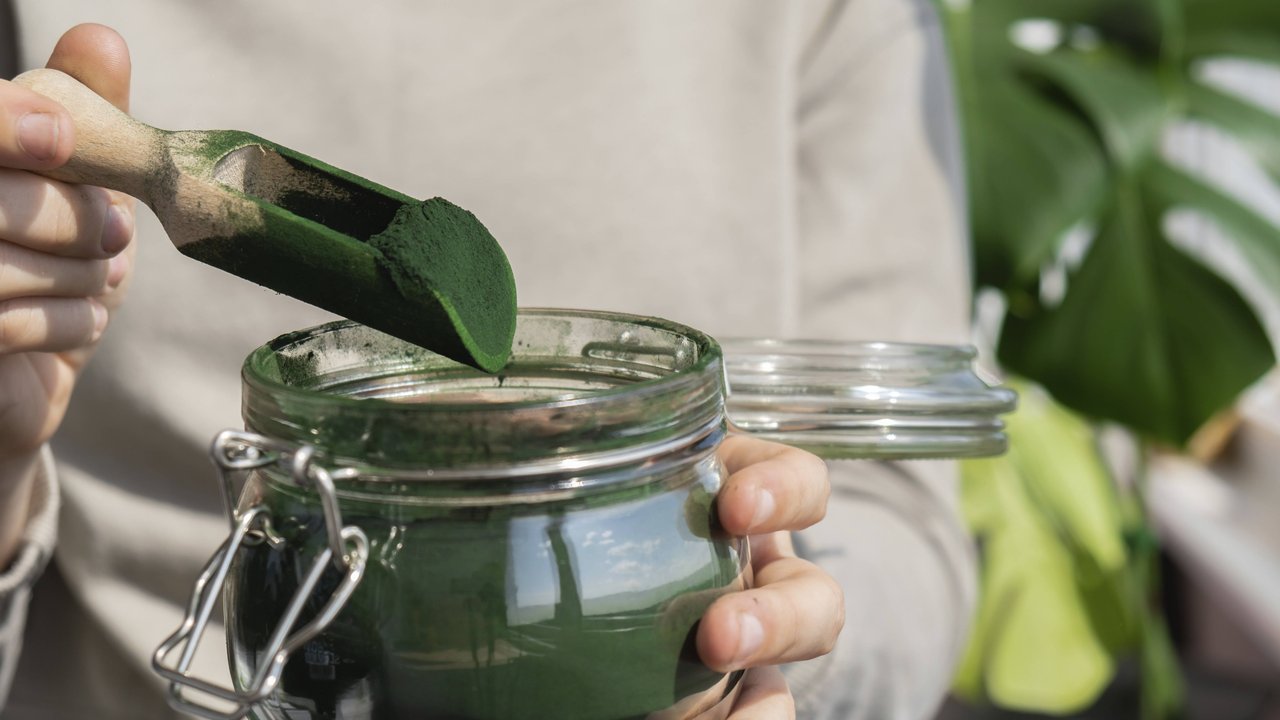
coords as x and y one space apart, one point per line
437 248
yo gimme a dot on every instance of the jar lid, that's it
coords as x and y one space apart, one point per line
865 400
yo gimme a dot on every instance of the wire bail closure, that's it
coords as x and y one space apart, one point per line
234 452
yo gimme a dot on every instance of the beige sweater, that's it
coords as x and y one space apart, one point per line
747 167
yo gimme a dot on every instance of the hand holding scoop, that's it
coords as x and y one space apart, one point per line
426 272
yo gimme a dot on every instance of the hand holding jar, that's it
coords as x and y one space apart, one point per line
796 611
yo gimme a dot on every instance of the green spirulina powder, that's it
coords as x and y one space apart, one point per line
437 249
426 272
507 579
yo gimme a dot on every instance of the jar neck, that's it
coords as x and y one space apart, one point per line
586 393
434 492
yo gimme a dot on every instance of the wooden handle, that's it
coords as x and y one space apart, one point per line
112 149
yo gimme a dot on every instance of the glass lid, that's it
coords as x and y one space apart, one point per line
865 400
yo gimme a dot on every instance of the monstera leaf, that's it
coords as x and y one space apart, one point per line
1059 599
1069 136
1064 138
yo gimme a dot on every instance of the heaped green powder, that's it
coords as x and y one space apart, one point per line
425 272
435 248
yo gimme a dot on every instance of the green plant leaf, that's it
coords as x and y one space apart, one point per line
1255 128
1246 44
1111 601
983 510
980 483
1256 237
1207 18
1049 520
1145 335
1056 457
1163 693
1123 102
1231 28
1031 645
1139 25
1033 173
1044 655
1058 460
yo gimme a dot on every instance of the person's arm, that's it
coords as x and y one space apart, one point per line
883 256
17 480
65 253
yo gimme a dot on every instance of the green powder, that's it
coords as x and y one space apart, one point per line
440 628
439 249
426 272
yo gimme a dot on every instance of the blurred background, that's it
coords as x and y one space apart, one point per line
1123 159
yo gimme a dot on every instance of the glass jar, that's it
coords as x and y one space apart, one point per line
418 539
865 400
415 538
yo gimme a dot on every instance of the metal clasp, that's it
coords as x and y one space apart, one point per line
236 452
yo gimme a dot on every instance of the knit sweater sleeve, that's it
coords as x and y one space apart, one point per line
893 539
17 580
882 256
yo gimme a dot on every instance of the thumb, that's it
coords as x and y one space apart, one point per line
97 56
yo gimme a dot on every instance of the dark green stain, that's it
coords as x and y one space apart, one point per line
426 272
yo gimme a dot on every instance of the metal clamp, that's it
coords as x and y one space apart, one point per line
348 548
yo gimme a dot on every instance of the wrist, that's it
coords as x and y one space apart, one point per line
17 478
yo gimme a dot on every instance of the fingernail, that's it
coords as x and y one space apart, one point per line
38 135
117 229
765 505
750 638
99 318
116 269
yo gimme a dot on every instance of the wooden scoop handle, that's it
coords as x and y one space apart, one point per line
112 149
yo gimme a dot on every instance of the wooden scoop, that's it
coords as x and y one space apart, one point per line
301 227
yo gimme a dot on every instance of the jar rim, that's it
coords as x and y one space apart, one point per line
625 382
861 400
257 366
846 353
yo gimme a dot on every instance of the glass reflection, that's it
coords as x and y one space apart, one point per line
582 609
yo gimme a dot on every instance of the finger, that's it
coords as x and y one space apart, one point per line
771 487
764 696
795 613
32 402
62 218
770 547
27 273
50 324
97 56
117 276
36 133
